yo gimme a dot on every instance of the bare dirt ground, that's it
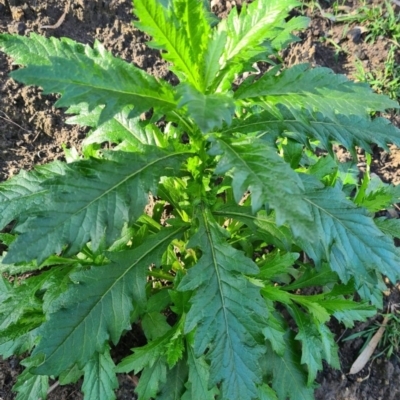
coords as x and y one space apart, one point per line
32 131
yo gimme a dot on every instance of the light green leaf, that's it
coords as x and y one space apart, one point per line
227 312
70 375
255 166
154 325
348 311
266 393
256 23
174 384
209 111
199 376
151 378
176 36
100 380
84 323
121 183
317 344
82 74
389 226
262 223
288 378
276 263
313 277
31 386
314 89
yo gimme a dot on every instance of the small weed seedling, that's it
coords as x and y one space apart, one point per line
244 184
386 81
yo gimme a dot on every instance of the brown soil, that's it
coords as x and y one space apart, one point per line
32 131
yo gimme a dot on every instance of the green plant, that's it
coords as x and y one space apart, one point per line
245 217
386 81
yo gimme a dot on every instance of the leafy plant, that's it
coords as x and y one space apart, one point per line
252 242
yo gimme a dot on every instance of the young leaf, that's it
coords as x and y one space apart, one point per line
227 312
209 111
288 378
122 181
91 320
255 166
184 37
256 23
31 386
199 376
100 379
85 75
317 344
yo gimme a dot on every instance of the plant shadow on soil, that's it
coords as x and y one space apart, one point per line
32 132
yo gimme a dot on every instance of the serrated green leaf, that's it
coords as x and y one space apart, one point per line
100 380
264 225
179 42
199 376
276 263
121 182
174 385
255 166
256 23
209 111
266 393
317 344
314 89
350 131
288 378
84 323
347 237
154 325
151 378
274 332
227 311
25 192
348 311
121 129
82 74
31 386
313 277
389 226
70 376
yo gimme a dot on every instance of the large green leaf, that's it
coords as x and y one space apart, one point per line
99 306
100 379
255 166
317 89
227 312
350 131
120 183
347 237
82 74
